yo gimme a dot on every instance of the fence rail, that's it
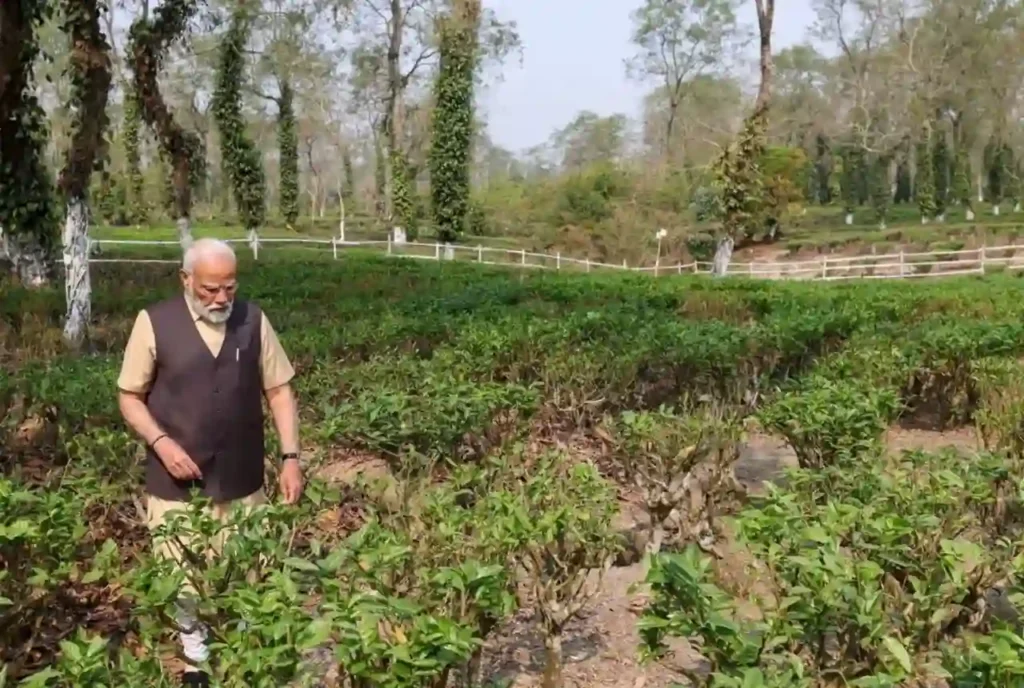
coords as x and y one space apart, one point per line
902 265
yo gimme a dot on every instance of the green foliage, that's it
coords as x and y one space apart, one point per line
348 190
707 204
827 421
27 212
138 210
241 157
852 176
962 179
881 192
996 161
925 181
943 172
739 175
784 172
288 145
404 195
823 163
451 146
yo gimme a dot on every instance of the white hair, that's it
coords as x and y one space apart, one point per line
202 249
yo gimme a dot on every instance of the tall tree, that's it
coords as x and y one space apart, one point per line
90 88
28 224
453 122
677 41
149 40
241 157
739 171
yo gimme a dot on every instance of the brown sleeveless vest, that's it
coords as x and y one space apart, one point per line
211 406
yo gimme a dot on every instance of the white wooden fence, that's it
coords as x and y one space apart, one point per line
902 265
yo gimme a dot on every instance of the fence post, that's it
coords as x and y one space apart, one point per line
479 253
983 258
625 266
437 250
334 247
558 261
680 268
588 263
254 243
903 264
824 267
522 256
389 243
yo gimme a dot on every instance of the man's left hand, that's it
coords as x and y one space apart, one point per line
291 481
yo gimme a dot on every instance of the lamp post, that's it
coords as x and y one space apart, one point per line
657 261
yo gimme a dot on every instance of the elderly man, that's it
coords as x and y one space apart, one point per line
194 373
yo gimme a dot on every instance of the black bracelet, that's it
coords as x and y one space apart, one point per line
289 455
152 445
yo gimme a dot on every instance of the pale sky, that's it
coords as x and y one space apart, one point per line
573 59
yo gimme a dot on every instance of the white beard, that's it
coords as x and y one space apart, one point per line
211 316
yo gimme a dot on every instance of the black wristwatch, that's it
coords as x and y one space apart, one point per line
289 455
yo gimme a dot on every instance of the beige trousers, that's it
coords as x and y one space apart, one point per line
192 633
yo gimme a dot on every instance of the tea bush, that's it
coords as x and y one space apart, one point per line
474 386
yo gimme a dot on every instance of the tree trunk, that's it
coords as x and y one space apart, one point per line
995 210
849 218
970 215
553 660
77 285
184 232
390 123
723 256
765 20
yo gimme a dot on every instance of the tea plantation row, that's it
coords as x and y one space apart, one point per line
866 569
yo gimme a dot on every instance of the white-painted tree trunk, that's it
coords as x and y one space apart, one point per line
253 238
925 220
849 218
723 256
995 210
882 225
941 218
1016 207
970 215
981 189
77 285
184 232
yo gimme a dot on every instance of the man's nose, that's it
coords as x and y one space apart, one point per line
220 298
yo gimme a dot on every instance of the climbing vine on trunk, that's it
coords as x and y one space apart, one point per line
451 147
925 181
241 158
149 40
90 88
941 165
881 187
406 208
132 139
28 224
288 147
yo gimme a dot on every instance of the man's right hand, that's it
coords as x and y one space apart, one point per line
177 462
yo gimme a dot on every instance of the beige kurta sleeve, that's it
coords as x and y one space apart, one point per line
275 367
139 357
